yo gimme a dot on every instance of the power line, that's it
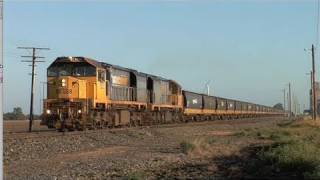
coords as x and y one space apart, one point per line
33 64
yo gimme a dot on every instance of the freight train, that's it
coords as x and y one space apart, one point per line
83 93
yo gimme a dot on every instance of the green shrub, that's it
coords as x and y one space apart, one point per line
285 123
240 133
136 176
295 152
211 140
296 158
263 135
281 136
276 135
315 174
186 147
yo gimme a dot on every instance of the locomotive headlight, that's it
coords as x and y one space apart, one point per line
48 111
63 82
79 111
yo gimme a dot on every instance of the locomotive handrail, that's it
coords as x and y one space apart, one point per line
122 93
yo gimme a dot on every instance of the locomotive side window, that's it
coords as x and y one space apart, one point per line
84 70
78 71
53 71
108 75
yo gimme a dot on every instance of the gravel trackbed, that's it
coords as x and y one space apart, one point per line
128 153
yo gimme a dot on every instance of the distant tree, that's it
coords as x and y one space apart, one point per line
16 114
17 111
278 106
35 116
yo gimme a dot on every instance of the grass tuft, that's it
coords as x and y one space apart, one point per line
211 140
136 176
186 147
240 133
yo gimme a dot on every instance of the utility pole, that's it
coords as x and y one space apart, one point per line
293 104
284 99
289 100
314 93
311 91
33 63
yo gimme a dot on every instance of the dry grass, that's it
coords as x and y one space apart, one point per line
136 176
295 150
200 147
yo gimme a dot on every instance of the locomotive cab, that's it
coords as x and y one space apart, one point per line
73 86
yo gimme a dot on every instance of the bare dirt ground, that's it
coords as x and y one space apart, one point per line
132 153
18 126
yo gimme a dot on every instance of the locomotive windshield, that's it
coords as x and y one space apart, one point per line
71 69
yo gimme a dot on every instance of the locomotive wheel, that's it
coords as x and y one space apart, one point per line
78 126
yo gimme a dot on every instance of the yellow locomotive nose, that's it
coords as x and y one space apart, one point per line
67 87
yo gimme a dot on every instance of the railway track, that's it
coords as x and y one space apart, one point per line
54 133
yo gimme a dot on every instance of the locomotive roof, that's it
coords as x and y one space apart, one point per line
107 65
76 60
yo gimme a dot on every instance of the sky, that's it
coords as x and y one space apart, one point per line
249 50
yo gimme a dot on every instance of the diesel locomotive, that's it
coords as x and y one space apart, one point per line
84 93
